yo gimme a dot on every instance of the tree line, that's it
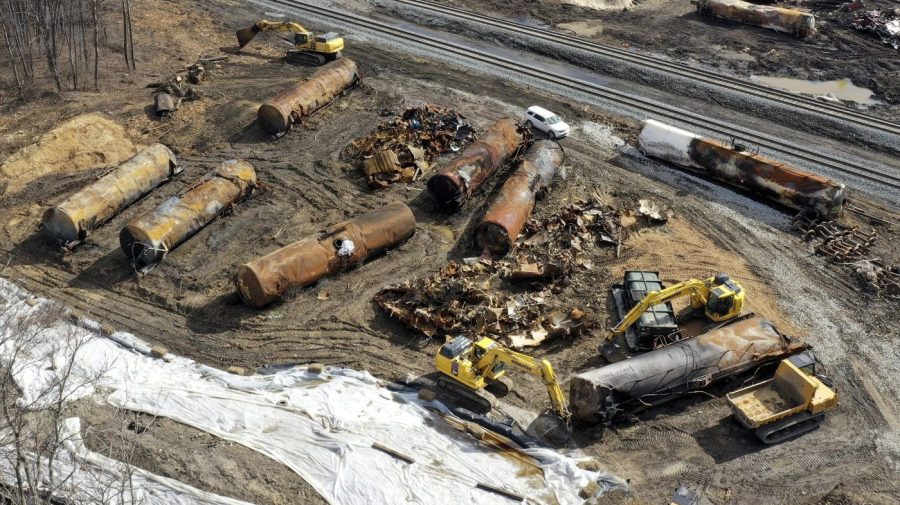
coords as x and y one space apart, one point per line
60 41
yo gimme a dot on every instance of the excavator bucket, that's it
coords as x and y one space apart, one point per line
245 35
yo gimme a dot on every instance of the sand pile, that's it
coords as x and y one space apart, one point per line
679 253
82 143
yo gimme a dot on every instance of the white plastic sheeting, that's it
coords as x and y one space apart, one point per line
321 426
83 476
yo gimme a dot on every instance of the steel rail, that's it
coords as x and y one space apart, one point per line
680 69
654 109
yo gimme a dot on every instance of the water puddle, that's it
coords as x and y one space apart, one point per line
842 89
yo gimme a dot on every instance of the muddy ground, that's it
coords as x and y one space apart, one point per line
673 28
188 303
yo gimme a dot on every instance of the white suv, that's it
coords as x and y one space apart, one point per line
545 121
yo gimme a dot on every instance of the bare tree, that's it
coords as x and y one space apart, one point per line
37 464
61 32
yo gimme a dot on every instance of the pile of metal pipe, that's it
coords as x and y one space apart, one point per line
147 239
738 167
456 181
74 218
498 230
797 23
598 395
289 107
340 247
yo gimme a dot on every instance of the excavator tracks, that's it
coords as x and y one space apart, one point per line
485 400
789 427
305 58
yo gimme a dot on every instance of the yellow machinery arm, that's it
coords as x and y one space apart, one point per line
696 288
528 364
245 35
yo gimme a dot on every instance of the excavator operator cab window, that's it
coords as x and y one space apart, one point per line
720 301
804 361
455 347
301 38
478 352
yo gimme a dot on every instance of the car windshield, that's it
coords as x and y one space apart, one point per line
553 120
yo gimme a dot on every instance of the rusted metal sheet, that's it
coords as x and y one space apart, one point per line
289 107
498 230
770 178
797 23
598 395
164 104
456 181
148 238
342 246
74 218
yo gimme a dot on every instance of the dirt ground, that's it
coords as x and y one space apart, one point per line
659 26
188 303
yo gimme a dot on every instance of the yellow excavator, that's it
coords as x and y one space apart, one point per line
468 368
650 316
310 49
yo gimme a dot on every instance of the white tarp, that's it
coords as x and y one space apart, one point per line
322 426
83 476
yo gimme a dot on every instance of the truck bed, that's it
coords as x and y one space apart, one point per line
788 393
762 403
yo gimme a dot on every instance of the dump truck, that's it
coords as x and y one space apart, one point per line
791 403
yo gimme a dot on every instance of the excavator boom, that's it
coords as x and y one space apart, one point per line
475 365
245 35
688 287
528 364
720 297
309 48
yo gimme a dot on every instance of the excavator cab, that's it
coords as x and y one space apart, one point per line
726 298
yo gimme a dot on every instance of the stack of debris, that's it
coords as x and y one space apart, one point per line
883 279
402 149
170 92
467 298
837 241
884 24
848 245
564 235
460 300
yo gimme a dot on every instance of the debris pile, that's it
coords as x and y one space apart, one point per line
459 300
884 24
848 245
470 298
883 279
170 92
564 235
653 212
403 148
837 241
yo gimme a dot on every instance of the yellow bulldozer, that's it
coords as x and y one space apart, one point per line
309 48
470 368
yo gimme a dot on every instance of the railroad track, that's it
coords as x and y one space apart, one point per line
651 108
674 68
